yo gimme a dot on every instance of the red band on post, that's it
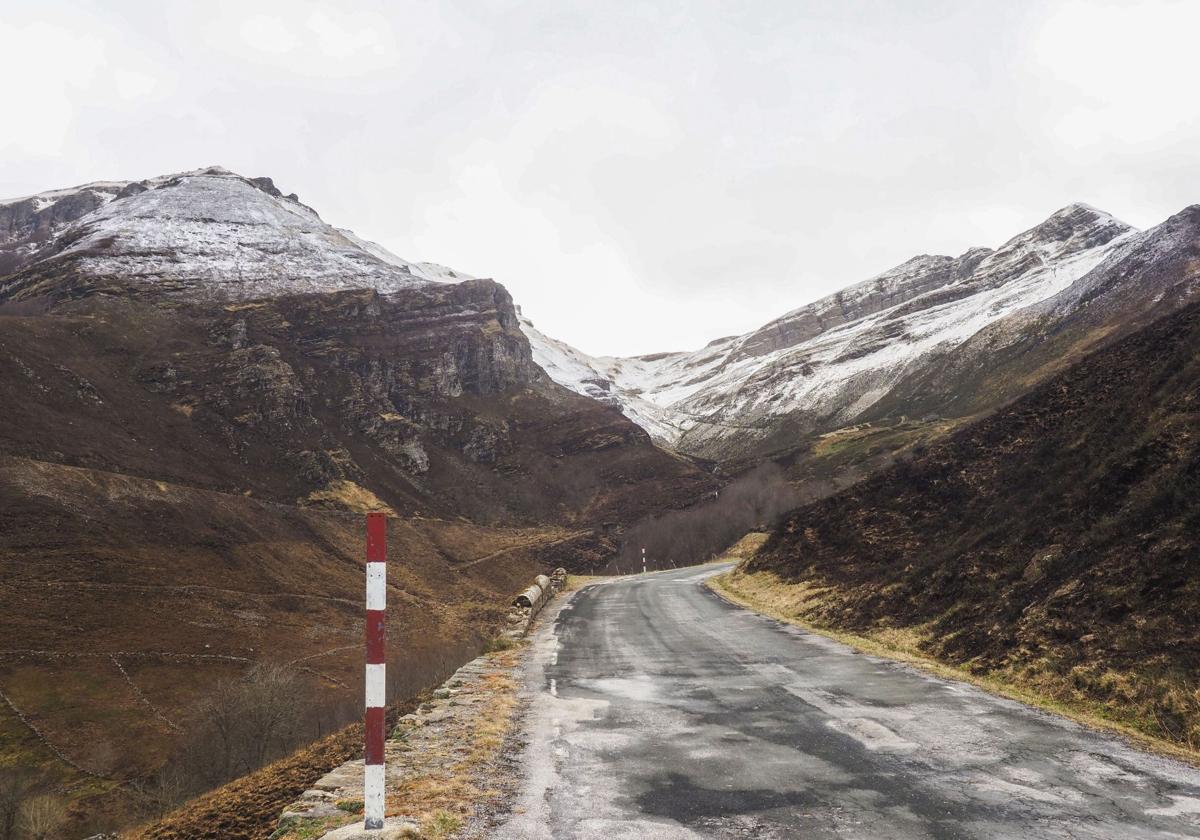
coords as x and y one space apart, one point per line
376 634
374 739
376 537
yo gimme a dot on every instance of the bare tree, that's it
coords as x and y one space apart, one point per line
214 745
15 786
42 816
755 500
164 790
271 707
245 723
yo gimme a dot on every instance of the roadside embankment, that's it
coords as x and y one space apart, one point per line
444 757
248 807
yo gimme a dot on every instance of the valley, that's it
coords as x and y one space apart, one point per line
205 385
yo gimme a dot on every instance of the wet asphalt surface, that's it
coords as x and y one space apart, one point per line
658 710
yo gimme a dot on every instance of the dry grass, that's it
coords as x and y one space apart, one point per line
441 780
346 495
455 779
579 581
744 549
248 807
863 438
766 593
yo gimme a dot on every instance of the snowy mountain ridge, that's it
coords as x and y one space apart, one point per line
205 233
831 360
907 342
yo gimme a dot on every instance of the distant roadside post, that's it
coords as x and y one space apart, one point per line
643 559
376 622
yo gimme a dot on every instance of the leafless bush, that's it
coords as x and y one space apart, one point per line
421 669
245 723
756 500
16 785
42 816
164 790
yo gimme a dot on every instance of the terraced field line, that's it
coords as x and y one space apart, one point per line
59 754
530 544
141 695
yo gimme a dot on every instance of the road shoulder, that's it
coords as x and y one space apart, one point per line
740 590
450 763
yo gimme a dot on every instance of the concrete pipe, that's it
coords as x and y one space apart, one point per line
531 597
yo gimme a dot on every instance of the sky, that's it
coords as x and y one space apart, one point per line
642 176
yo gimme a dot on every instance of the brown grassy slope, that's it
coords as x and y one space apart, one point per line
248 808
175 481
1054 542
124 599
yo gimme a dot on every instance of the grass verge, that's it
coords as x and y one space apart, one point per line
579 581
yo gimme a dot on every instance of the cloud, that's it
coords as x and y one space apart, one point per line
270 34
46 68
642 177
1119 68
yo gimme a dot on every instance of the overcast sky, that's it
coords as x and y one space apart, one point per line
641 176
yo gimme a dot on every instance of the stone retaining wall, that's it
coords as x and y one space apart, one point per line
441 744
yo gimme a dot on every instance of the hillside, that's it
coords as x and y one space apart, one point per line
1052 545
186 450
835 387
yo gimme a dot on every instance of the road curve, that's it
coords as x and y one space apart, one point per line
658 710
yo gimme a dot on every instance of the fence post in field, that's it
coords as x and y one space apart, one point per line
376 616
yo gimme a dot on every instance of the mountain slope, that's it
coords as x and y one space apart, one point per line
1053 543
937 336
203 387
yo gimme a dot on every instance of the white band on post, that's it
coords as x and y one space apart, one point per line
373 795
376 586
376 688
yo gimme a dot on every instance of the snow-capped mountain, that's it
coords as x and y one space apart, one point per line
934 336
837 361
209 233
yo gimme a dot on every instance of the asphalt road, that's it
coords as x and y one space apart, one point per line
658 710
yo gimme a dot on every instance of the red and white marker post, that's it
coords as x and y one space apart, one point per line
373 770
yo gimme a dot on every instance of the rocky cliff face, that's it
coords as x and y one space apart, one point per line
321 361
27 224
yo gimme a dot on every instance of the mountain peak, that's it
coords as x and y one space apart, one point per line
206 233
1081 214
1069 230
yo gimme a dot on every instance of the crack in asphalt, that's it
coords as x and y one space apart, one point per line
658 710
